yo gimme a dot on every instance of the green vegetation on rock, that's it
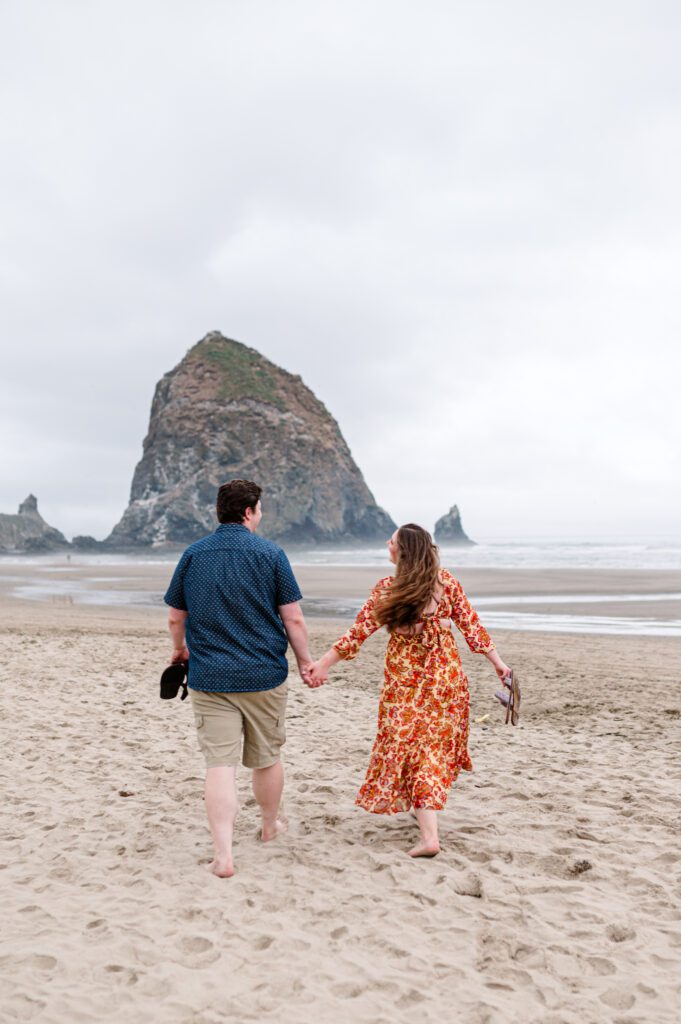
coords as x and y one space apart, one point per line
244 372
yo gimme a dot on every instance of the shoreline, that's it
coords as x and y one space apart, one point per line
637 601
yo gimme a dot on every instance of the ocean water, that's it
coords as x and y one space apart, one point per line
498 553
55 581
656 553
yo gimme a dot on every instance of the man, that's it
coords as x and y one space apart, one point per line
234 607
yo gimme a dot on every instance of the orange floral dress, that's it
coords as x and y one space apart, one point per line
423 713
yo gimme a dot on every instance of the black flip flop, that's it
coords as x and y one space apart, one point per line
174 677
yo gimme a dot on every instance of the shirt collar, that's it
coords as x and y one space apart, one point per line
232 526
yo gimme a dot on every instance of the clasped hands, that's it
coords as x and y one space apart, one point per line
313 674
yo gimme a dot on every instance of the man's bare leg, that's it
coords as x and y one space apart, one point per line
268 785
222 806
429 845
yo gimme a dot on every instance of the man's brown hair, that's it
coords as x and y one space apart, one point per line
234 498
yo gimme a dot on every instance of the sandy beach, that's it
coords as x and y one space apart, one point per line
556 899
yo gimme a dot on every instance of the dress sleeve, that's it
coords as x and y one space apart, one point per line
364 625
465 618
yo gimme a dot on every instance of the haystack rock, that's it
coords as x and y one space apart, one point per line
226 412
448 529
27 531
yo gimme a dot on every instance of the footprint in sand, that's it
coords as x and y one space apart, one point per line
470 885
25 1008
125 975
42 962
579 867
410 998
600 965
421 897
619 932
617 999
347 990
196 944
197 952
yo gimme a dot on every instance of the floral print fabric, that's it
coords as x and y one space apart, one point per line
423 715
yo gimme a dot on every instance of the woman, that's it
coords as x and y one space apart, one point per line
422 739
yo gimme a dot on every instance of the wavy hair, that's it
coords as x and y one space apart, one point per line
415 580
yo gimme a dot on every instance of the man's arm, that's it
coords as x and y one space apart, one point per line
296 631
176 623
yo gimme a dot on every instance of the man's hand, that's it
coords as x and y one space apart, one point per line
304 671
179 655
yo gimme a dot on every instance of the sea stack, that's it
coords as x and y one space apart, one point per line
227 412
27 531
448 529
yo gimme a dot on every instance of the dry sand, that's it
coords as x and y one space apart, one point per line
556 898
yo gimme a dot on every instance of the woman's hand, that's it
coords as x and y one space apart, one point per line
318 671
500 667
316 674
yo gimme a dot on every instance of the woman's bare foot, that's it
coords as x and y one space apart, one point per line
425 849
223 867
269 832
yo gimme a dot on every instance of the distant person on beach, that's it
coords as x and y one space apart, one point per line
234 607
422 739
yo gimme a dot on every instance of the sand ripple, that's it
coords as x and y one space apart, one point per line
555 900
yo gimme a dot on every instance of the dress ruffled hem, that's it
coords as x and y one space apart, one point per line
379 803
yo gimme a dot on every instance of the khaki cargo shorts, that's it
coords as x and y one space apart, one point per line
224 719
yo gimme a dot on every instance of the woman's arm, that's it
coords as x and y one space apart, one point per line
466 619
349 644
318 671
500 667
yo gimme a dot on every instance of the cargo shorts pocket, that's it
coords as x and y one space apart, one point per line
200 722
280 729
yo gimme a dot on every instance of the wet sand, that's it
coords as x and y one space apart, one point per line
555 899
66 582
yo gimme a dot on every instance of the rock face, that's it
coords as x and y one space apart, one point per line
226 412
448 529
27 531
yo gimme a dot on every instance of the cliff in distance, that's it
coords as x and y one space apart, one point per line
448 529
226 412
27 531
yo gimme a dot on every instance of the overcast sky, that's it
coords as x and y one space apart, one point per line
459 222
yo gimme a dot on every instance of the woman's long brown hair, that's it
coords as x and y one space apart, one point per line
415 581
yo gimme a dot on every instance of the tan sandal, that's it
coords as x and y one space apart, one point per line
510 700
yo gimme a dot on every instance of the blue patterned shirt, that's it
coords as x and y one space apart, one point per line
232 584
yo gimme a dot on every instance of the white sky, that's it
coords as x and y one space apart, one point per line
460 223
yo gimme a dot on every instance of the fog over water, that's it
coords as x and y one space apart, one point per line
461 224
500 554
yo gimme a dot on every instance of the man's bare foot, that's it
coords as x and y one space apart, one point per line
269 832
423 849
223 867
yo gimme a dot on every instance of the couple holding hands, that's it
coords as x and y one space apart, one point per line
234 608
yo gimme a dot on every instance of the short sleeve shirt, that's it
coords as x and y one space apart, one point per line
231 584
